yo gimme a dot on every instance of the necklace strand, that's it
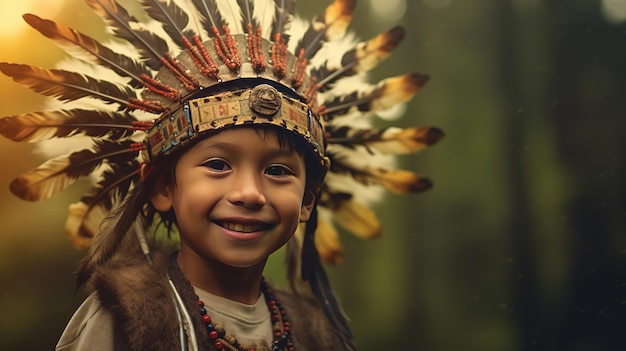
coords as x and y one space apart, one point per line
281 328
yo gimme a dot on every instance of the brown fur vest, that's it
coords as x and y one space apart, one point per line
141 301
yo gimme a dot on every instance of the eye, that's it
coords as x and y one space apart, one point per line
217 165
278 170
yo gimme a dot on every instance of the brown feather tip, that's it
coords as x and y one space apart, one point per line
433 135
398 89
425 135
44 181
400 181
371 52
337 17
411 82
38 126
19 187
409 140
386 42
11 130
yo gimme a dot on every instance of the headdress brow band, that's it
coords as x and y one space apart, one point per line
263 104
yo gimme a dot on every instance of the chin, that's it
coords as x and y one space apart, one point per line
243 261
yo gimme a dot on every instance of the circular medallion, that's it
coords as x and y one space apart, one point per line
265 100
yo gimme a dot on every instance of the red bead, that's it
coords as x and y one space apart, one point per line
277 334
218 345
206 319
214 334
200 303
251 349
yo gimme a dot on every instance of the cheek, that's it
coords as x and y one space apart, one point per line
192 195
292 205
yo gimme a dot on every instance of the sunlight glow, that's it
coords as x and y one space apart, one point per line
11 22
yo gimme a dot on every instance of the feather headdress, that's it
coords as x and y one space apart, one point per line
221 64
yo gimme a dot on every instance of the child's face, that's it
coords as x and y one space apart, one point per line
238 196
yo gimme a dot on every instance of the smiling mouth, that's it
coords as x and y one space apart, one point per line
243 228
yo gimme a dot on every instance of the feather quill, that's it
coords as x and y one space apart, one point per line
285 11
115 183
56 174
70 39
150 46
173 19
390 140
386 94
38 126
330 25
65 85
247 16
211 16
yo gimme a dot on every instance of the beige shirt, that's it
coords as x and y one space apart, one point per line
248 323
92 328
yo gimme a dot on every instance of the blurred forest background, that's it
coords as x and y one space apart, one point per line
519 246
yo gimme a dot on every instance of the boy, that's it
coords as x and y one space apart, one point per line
245 132
235 196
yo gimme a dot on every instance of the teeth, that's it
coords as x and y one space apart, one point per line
243 228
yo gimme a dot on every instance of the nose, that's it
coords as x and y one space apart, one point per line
247 190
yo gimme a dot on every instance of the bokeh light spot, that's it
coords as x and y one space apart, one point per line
614 10
388 10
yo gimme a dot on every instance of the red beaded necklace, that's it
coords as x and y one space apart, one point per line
280 326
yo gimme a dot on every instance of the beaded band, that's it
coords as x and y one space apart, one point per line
262 104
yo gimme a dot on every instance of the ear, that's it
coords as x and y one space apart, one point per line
308 202
161 195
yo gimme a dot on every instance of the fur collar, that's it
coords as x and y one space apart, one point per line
139 296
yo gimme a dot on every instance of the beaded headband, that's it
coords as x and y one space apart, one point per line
194 67
262 104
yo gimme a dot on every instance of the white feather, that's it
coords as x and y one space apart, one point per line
264 11
194 18
370 194
231 13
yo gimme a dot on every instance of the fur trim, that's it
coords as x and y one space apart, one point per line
142 304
